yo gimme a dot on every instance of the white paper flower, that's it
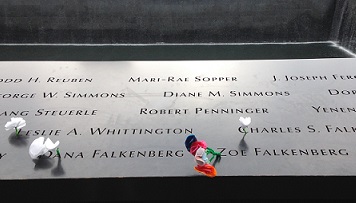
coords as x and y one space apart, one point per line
245 121
39 147
200 157
15 123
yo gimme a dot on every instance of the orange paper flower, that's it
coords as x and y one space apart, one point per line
206 169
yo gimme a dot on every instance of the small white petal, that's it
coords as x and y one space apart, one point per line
37 147
15 123
21 124
50 145
245 121
9 126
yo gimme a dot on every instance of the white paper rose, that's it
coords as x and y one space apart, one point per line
15 123
39 147
200 157
245 122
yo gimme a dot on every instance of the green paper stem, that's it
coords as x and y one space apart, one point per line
17 131
214 153
245 131
211 158
58 152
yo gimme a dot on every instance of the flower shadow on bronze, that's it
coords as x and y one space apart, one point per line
243 145
58 170
43 163
18 140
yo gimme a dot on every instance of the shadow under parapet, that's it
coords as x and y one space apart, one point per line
58 170
20 140
171 52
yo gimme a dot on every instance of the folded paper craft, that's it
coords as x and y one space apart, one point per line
200 150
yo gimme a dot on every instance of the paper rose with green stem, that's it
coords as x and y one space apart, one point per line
15 123
245 122
40 147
